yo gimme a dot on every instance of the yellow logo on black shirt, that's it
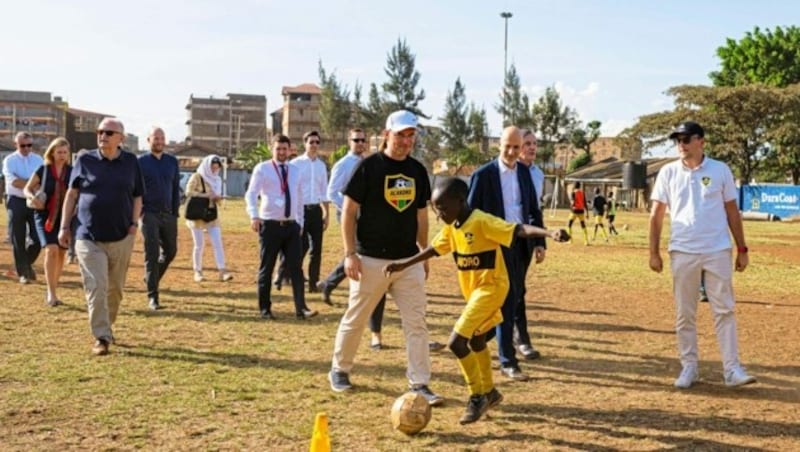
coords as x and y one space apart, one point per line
399 191
705 180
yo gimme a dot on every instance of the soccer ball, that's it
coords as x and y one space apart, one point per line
410 413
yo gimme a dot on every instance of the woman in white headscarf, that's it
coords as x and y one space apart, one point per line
206 182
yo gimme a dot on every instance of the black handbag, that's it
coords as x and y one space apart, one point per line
199 208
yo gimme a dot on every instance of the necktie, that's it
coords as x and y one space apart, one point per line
287 207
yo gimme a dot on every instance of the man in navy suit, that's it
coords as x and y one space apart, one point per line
504 188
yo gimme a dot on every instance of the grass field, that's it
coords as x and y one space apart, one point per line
207 373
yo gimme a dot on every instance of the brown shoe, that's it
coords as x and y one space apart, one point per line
100 347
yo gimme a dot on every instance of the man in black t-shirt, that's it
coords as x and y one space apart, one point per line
385 218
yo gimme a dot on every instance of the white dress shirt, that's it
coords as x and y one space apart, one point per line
341 173
512 198
17 166
266 182
537 177
313 179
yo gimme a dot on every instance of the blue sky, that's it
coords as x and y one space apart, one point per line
611 60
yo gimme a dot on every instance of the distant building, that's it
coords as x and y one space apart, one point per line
82 128
276 121
300 112
227 125
36 112
602 149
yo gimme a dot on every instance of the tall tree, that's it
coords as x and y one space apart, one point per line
456 128
375 111
401 92
553 121
771 58
334 107
478 128
514 104
738 122
582 138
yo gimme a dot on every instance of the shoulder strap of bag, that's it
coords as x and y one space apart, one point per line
203 183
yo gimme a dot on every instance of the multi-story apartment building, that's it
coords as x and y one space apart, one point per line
227 125
36 112
602 148
300 111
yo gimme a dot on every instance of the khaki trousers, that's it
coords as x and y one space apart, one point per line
104 266
407 288
686 271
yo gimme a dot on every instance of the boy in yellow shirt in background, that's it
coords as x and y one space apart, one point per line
474 237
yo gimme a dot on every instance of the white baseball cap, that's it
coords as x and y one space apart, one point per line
401 120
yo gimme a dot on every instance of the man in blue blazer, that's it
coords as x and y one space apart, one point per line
504 188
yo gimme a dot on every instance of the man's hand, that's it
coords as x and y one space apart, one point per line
352 267
64 237
656 264
325 224
255 224
742 260
132 229
427 267
539 254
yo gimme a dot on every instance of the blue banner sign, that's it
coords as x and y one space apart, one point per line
779 200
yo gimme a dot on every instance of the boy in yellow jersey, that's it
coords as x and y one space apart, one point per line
474 237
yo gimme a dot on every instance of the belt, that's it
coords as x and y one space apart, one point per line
311 206
281 222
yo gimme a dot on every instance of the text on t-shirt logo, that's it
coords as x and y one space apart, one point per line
399 191
477 261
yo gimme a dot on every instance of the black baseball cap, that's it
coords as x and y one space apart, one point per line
687 128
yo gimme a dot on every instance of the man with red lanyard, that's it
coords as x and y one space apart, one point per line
278 220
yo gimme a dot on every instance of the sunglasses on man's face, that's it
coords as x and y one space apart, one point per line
359 140
107 133
683 139
27 145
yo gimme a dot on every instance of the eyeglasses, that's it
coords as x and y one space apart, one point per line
683 139
107 133
28 145
359 140
313 141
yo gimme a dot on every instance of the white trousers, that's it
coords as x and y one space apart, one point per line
407 288
686 271
215 235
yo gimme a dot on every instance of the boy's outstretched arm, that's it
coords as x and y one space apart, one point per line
527 231
423 255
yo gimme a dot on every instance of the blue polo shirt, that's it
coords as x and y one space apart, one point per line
162 181
106 188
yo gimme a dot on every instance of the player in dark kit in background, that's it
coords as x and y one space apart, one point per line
611 213
599 210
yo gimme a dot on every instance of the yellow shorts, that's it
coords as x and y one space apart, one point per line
577 216
482 312
598 219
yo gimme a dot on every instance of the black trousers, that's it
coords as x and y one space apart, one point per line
521 335
160 234
312 241
280 237
23 227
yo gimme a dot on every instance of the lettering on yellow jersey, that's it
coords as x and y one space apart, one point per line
477 261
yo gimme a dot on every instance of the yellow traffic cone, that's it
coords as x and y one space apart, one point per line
320 441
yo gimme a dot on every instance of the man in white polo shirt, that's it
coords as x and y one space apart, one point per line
701 197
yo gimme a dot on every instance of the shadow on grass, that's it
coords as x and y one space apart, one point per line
585 326
620 423
767 303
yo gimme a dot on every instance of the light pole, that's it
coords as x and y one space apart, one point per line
505 15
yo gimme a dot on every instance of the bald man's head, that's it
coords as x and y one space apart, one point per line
510 145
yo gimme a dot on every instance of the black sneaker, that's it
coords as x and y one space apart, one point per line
494 397
476 407
325 290
432 398
340 381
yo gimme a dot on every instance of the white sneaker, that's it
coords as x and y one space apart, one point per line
738 377
687 377
198 276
